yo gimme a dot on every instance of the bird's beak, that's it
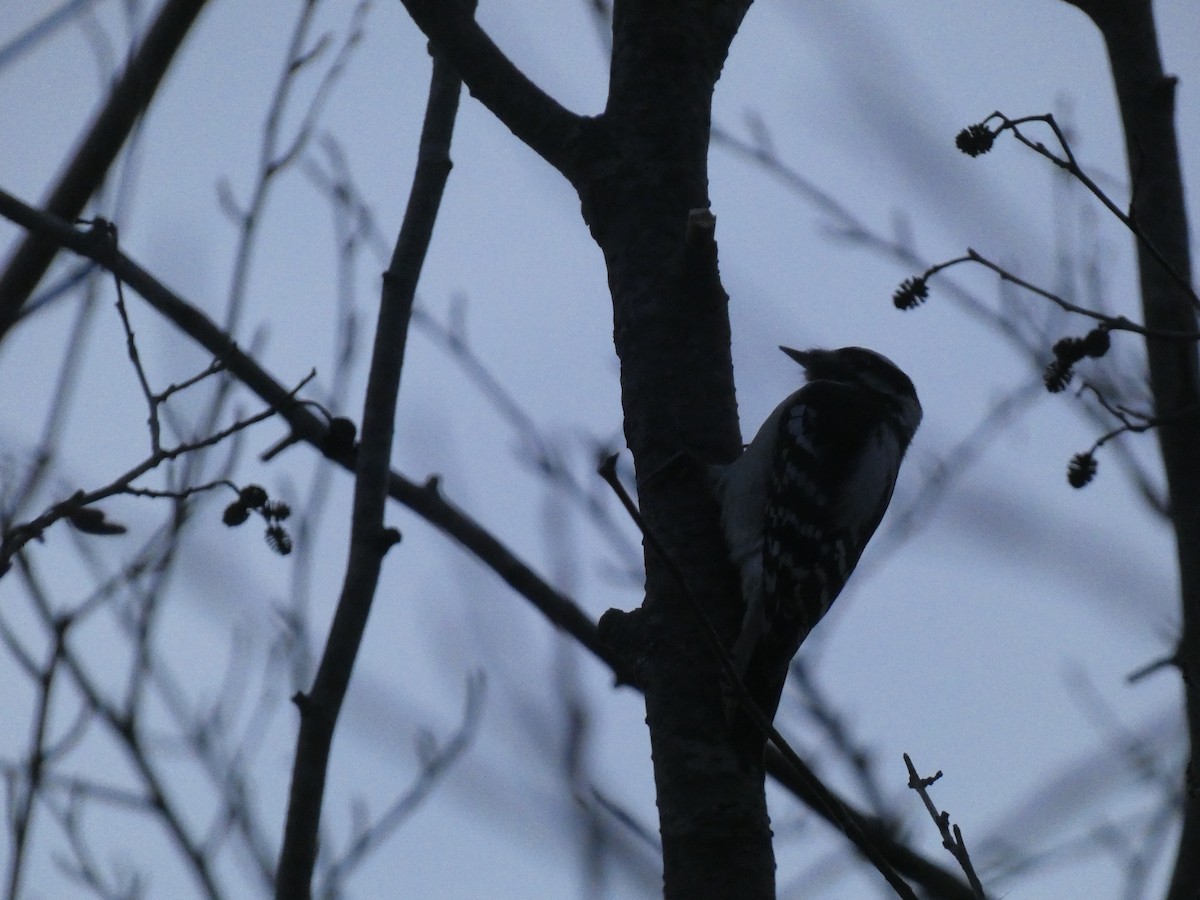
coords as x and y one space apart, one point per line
804 357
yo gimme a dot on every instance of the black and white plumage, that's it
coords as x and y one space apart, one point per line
800 504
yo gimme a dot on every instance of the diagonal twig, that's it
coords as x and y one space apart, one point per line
952 838
129 98
369 539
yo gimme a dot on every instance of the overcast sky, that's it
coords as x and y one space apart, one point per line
991 642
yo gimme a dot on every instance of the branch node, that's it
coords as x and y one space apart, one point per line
388 538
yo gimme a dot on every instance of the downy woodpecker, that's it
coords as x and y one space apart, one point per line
799 505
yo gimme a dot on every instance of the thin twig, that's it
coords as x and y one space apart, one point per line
426 500
78 504
952 841
125 727
29 784
1068 163
1114 323
544 454
848 226
369 541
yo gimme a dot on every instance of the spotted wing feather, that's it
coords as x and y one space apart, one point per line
832 479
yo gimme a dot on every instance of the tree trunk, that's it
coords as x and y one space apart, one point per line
643 166
1147 103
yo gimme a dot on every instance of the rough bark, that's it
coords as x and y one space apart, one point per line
642 166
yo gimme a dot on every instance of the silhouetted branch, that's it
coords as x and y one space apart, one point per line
369 539
977 139
124 725
530 113
911 293
952 839
130 97
846 224
80 510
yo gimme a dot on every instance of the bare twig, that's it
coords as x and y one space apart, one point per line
274 157
537 449
429 503
952 840
369 540
1114 323
823 710
424 499
124 726
530 113
849 226
79 508
28 782
1069 164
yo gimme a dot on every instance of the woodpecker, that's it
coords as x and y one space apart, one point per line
800 504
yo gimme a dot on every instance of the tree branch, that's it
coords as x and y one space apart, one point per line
87 170
369 540
526 110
